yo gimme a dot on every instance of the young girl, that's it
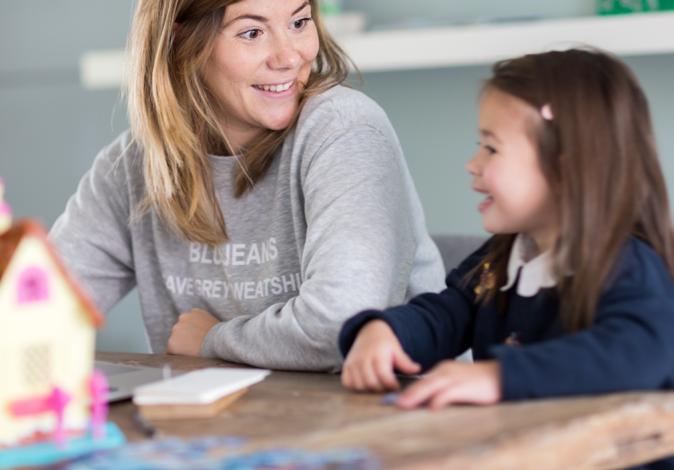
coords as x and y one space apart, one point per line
574 292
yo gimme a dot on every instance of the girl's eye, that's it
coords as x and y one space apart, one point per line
251 34
488 148
301 23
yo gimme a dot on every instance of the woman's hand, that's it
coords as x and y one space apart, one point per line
188 334
374 355
455 382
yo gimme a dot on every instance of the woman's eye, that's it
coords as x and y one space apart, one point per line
301 23
251 34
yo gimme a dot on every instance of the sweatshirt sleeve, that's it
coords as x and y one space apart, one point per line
629 347
431 327
358 253
92 235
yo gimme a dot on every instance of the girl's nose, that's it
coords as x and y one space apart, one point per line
472 166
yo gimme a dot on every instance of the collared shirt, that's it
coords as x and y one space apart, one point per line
534 273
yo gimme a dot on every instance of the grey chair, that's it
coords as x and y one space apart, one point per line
454 248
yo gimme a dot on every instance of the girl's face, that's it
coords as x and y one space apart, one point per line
507 171
261 57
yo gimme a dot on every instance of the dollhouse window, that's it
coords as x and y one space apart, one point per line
33 285
36 365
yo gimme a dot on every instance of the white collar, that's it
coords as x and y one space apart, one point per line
534 274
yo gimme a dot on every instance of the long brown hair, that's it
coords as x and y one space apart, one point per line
598 155
173 113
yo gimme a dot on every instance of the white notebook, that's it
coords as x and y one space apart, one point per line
199 387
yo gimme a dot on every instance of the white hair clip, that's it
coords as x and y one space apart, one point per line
546 113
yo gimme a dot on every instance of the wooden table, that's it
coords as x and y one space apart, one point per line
313 412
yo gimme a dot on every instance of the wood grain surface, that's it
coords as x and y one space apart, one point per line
312 411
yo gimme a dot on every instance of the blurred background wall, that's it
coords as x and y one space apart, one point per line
51 127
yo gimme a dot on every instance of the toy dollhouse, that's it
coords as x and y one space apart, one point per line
49 392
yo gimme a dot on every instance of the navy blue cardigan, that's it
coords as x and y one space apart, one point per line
630 345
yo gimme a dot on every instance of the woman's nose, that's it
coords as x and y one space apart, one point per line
284 55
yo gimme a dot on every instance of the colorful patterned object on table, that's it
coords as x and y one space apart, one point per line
220 453
48 452
617 7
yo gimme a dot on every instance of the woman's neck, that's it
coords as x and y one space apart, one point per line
240 139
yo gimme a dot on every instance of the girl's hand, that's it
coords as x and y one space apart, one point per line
188 334
455 382
374 355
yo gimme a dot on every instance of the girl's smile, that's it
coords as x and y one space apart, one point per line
485 204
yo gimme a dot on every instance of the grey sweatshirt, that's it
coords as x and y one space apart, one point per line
334 227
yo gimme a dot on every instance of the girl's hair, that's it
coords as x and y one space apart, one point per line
597 151
173 113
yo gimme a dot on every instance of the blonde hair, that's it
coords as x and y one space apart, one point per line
173 113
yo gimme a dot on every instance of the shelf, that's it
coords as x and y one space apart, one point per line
636 34
625 35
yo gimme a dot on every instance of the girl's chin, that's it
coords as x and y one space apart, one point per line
493 228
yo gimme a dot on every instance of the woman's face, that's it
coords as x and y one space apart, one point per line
260 62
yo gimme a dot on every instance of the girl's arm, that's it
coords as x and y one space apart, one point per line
630 346
431 327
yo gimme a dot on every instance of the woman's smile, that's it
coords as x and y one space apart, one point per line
278 90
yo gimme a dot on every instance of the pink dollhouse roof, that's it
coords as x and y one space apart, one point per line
8 244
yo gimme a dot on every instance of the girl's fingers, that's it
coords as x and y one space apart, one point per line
421 392
354 376
352 371
370 377
346 377
443 397
404 363
384 369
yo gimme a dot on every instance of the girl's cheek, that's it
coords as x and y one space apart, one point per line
489 178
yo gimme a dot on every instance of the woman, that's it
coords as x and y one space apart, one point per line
255 202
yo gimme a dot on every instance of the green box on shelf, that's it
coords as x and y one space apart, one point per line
617 7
